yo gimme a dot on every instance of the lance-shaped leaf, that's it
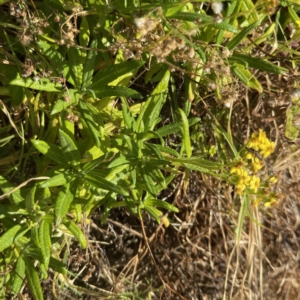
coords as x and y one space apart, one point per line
45 241
50 150
91 124
33 280
8 237
99 182
57 180
205 20
117 91
89 66
75 230
247 77
18 275
174 127
62 203
44 84
256 63
154 212
237 39
162 204
70 150
107 75
152 107
186 134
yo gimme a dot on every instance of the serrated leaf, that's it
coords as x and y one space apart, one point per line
101 183
33 280
50 150
162 204
45 241
62 203
107 75
75 230
70 150
44 84
117 91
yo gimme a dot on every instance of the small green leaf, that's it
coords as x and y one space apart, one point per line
84 33
78 234
57 265
101 183
91 124
237 39
247 77
33 280
45 241
44 84
89 66
70 150
148 180
107 75
154 212
76 60
62 203
175 127
186 133
119 161
117 91
56 180
257 63
205 20
152 107
162 204
29 200
50 150
8 237
6 186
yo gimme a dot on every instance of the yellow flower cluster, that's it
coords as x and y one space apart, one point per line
260 142
245 180
245 171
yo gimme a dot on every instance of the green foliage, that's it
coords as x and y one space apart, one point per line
89 98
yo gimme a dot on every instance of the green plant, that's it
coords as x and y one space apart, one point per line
88 83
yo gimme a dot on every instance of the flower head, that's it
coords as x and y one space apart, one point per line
254 184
